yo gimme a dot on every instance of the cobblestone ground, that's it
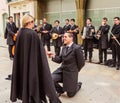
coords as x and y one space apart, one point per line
101 84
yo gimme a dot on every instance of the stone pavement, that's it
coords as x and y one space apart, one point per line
101 84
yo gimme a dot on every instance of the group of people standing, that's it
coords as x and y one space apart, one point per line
89 34
104 43
48 32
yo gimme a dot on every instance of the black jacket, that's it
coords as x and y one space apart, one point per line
11 29
66 28
103 40
89 38
31 77
73 28
72 63
57 42
48 28
116 32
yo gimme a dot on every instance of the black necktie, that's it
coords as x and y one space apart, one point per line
67 48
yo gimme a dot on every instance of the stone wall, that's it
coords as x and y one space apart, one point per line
97 9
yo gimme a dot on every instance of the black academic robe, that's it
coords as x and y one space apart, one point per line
75 27
88 41
116 32
48 28
11 29
31 78
57 42
66 28
103 40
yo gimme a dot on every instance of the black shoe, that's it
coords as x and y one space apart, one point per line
11 58
59 94
90 60
9 77
118 67
113 65
99 62
79 86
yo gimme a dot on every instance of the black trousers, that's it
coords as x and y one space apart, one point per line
118 58
10 51
58 78
101 51
114 53
46 42
88 48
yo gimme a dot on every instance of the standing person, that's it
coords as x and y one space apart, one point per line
31 78
88 33
45 33
66 26
74 29
115 47
72 62
57 42
11 31
102 35
35 27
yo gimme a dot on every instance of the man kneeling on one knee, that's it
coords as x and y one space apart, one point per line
72 61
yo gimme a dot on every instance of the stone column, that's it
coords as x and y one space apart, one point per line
80 7
39 7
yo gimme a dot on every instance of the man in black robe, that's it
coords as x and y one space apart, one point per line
88 34
45 33
114 45
57 43
31 78
103 40
67 26
10 32
74 30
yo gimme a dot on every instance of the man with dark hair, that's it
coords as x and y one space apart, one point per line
57 31
115 46
11 31
88 33
72 62
102 35
75 30
66 26
45 33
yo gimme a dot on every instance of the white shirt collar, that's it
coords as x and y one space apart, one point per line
70 44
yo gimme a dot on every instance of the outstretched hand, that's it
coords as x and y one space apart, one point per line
50 54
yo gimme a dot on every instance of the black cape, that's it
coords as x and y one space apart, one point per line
31 77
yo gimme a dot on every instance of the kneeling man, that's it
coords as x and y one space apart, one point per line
72 61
